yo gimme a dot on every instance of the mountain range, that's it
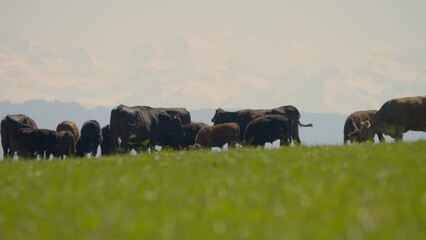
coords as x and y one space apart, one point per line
327 128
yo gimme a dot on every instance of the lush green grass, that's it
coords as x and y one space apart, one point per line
346 192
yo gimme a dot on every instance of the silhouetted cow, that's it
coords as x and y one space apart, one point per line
106 145
268 129
44 142
243 117
90 139
142 127
10 126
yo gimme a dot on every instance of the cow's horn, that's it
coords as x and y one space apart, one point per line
367 124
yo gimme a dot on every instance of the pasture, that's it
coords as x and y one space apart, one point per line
367 191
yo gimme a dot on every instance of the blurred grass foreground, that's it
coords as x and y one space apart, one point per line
367 191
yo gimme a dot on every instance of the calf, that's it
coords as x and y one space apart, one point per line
218 135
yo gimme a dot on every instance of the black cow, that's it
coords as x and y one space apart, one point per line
90 139
142 127
353 124
190 132
243 117
106 145
44 142
184 115
269 128
10 126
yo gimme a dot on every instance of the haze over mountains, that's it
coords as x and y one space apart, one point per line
327 130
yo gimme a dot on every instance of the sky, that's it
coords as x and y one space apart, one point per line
321 56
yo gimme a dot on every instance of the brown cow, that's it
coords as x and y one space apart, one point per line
396 117
69 126
352 125
218 135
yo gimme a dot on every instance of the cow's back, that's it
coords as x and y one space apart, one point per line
409 112
69 126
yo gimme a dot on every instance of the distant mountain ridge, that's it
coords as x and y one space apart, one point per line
327 128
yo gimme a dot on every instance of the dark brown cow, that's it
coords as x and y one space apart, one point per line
69 126
91 138
191 131
243 117
143 127
44 142
268 129
218 135
184 115
396 117
352 125
10 126
106 145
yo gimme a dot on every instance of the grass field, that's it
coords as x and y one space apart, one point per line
325 192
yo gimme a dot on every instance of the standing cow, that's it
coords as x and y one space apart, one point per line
90 139
10 126
106 145
243 117
268 129
218 135
396 117
71 127
44 142
143 127
352 125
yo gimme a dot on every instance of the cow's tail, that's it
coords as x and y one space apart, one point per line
305 125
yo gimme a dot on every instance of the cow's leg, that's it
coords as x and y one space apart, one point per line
381 137
94 151
295 133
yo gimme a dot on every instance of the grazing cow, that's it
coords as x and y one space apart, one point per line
268 129
218 135
143 127
44 142
352 125
191 131
66 144
184 115
10 126
90 139
106 145
396 117
69 126
243 117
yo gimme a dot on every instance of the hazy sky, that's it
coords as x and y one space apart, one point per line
322 56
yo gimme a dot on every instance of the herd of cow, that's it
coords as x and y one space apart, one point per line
141 128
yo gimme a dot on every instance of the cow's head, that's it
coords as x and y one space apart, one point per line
216 116
366 132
